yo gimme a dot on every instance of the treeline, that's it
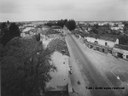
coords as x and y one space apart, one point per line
105 30
8 31
102 30
123 39
125 27
70 24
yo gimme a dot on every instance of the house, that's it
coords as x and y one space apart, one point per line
57 28
103 42
121 51
107 46
102 45
97 47
26 29
44 28
117 28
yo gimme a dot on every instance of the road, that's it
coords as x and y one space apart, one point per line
86 75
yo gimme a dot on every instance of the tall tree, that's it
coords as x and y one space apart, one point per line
123 39
25 67
9 30
125 27
71 24
14 30
61 22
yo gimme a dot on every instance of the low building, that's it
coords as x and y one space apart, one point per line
117 28
121 51
102 45
113 47
26 29
45 28
103 42
98 47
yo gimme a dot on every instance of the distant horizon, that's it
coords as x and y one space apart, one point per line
79 10
67 19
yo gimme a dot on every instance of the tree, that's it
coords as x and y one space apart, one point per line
123 39
25 67
3 30
71 24
96 26
94 30
9 30
61 22
125 27
125 23
14 30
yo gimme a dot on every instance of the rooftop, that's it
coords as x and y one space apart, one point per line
120 46
111 38
104 37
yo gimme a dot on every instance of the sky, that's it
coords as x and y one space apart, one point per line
80 10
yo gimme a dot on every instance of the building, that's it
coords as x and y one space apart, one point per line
102 45
57 28
117 28
45 28
26 29
103 42
120 51
105 46
98 47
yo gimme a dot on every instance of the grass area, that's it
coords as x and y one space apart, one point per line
58 45
51 31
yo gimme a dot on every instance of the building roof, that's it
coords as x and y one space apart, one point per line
120 46
51 31
108 38
56 27
105 37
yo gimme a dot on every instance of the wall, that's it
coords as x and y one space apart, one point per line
102 42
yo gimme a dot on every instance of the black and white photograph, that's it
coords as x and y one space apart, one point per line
63 47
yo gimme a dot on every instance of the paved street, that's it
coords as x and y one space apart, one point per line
90 70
